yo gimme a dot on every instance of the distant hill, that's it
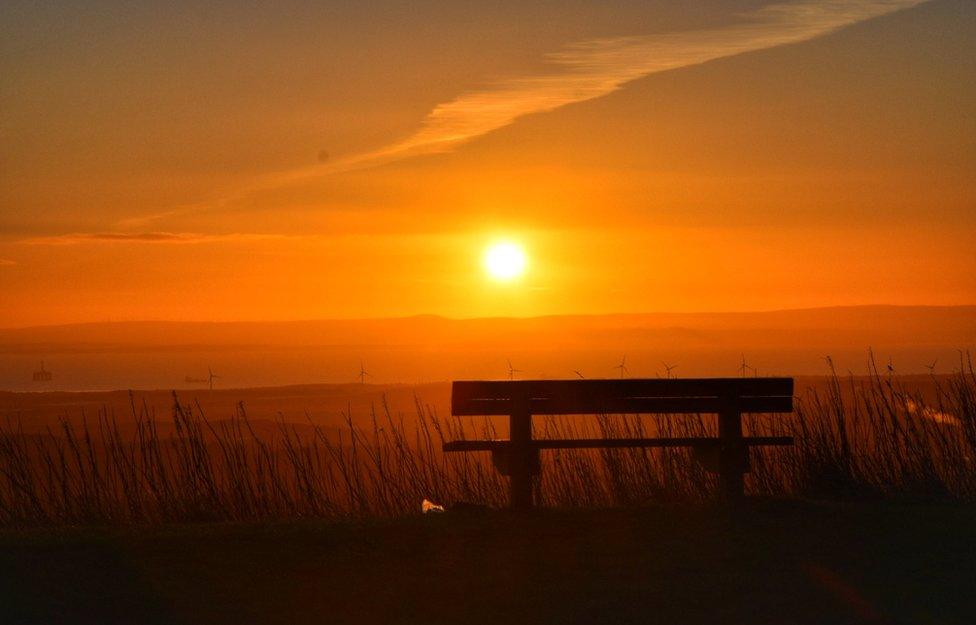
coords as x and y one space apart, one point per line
862 325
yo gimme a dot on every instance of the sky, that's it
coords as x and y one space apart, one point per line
202 161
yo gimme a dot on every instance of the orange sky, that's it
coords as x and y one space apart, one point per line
191 162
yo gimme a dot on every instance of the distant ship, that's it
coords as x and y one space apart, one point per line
43 375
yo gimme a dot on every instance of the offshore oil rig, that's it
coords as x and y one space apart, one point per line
42 375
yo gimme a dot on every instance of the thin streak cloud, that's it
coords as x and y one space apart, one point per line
144 237
581 71
590 69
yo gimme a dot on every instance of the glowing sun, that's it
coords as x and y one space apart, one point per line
505 261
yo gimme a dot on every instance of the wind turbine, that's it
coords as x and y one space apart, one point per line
512 371
622 367
744 367
211 377
576 371
363 374
668 369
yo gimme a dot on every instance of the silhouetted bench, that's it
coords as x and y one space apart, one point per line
729 398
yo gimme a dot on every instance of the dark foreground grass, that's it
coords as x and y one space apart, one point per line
856 439
772 561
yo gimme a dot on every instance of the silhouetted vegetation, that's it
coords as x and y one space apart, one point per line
855 438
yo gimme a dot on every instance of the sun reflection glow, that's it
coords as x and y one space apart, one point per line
505 261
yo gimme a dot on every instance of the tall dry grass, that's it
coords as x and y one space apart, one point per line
855 438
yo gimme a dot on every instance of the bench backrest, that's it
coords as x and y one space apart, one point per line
629 396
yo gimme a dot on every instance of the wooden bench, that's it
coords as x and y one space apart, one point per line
518 457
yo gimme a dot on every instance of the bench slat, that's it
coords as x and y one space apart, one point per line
614 443
621 396
680 387
616 405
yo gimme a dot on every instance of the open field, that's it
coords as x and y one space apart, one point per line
869 519
322 404
877 437
771 562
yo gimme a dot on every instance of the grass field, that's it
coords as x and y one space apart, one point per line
773 561
877 437
868 519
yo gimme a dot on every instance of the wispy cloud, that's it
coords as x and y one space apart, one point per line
6 262
591 69
143 237
582 71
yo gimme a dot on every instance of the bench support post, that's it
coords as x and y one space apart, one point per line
521 457
732 458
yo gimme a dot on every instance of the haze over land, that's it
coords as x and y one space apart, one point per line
159 354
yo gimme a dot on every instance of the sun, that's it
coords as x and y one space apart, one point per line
505 260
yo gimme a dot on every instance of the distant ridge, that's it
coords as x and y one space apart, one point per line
436 317
862 325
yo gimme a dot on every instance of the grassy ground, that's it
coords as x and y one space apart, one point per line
769 562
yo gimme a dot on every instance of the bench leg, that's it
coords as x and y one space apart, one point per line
731 465
521 460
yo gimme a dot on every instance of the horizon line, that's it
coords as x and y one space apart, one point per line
486 317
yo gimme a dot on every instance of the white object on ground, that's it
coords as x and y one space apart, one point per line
430 506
